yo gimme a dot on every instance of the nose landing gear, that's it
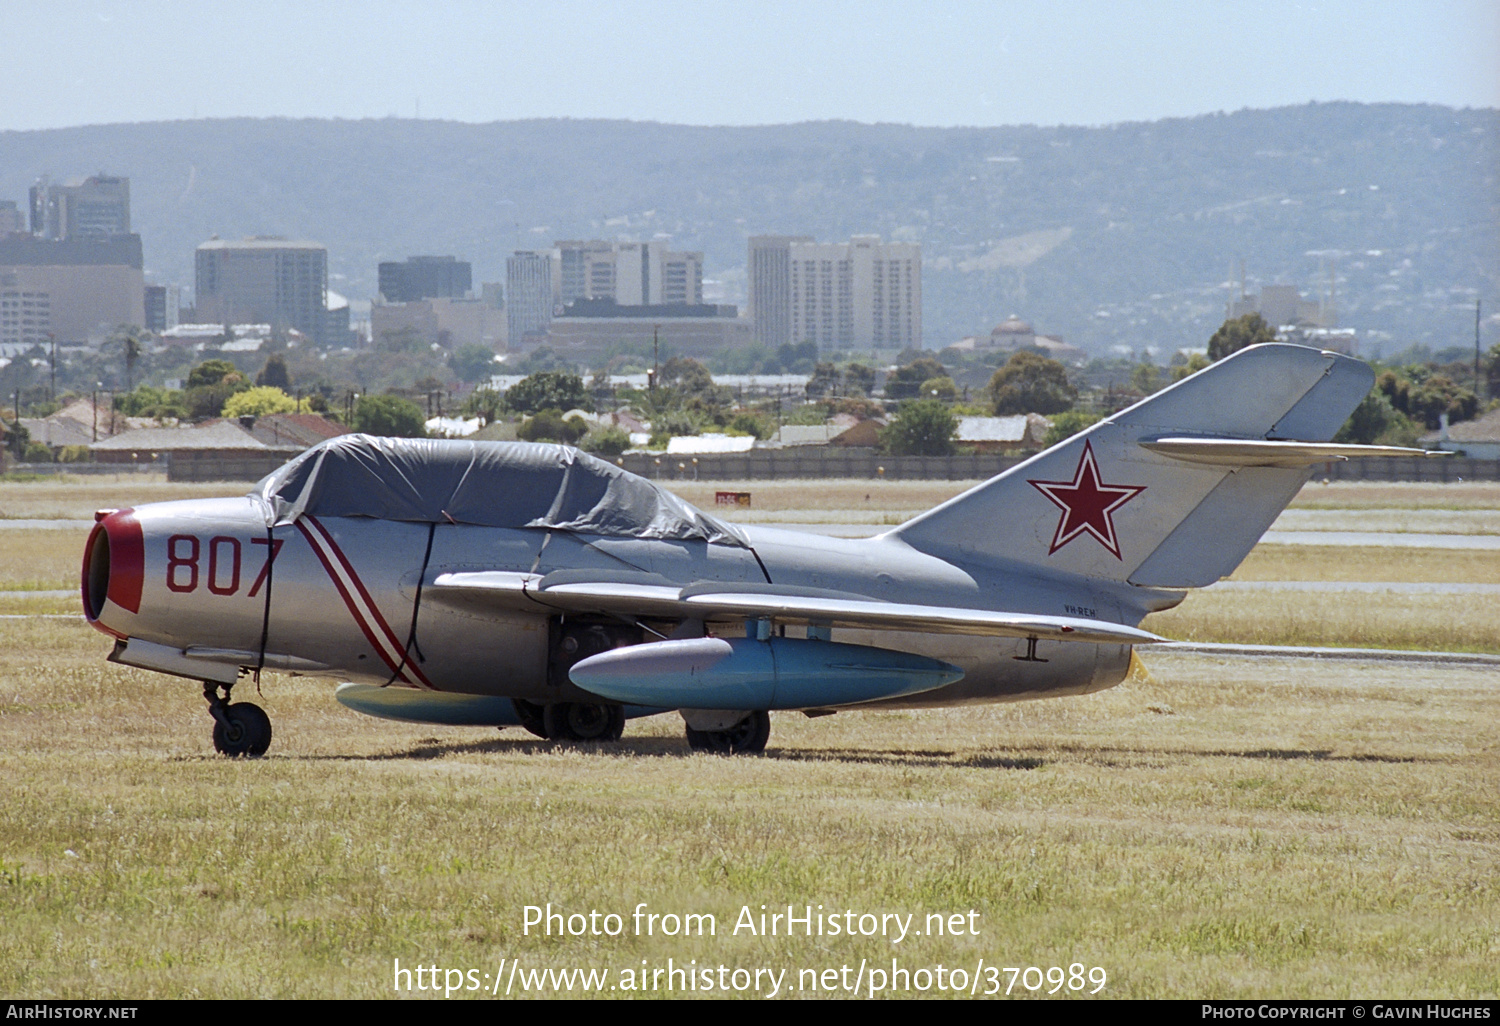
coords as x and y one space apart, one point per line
242 729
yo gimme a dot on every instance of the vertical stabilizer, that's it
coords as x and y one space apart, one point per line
1103 506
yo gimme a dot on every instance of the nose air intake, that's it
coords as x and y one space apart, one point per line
114 564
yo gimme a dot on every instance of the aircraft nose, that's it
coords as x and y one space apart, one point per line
114 567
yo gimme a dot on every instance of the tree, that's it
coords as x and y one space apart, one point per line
560 390
1146 378
1237 333
209 386
274 373
549 426
1375 421
484 403
941 388
687 375
1424 396
1067 424
922 428
1192 365
260 401
748 422
130 339
148 401
825 379
472 362
210 372
401 340
906 382
606 441
389 415
1031 383
859 379
1438 395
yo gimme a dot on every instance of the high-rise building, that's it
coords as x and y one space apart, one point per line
860 294
263 280
630 273
770 278
97 207
425 277
162 305
528 295
68 290
587 270
11 219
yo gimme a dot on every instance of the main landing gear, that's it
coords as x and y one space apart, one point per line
747 737
239 729
572 721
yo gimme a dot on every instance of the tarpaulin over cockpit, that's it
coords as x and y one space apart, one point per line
489 484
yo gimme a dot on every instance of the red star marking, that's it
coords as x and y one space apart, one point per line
1086 504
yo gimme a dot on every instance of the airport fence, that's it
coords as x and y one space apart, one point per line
816 463
810 463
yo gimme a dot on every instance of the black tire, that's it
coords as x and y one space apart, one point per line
582 721
248 733
748 737
531 716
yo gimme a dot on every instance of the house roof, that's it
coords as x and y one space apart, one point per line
1022 427
302 429
217 435
55 432
807 434
1481 429
693 445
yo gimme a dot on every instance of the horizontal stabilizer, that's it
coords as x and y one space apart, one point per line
1260 452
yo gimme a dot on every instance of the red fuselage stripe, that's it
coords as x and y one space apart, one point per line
385 643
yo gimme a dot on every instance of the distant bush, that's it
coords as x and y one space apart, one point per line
389 415
1067 424
260 401
923 428
549 426
609 441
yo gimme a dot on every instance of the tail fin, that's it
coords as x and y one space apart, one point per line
1184 511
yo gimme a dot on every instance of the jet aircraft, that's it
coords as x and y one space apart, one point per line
509 584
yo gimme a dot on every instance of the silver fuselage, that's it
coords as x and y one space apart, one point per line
343 591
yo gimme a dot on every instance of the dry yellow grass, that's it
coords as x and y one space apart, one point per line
1398 495
1226 829
1452 623
1345 563
70 497
41 560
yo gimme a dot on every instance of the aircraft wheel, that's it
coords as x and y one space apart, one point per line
245 730
531 716
581 721
748 737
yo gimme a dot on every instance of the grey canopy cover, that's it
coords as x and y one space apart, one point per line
490 484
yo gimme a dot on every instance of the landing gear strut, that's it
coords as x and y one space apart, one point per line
239 729
748 737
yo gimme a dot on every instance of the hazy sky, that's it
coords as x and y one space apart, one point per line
73 62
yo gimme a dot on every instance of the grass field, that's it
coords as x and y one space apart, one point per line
1251 828
1216 828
